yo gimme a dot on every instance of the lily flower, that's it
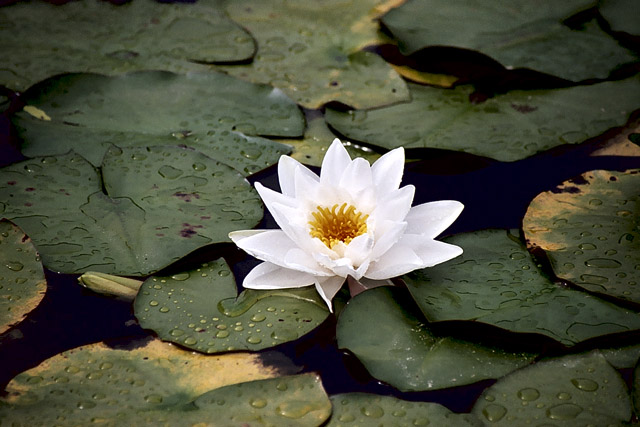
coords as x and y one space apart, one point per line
353 221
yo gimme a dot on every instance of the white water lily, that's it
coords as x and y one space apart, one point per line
353 220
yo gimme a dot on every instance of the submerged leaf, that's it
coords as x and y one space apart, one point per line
495 281
96 383
39 40
311 50
210 112
22 282
508 127
525 35
397 347
160 204
351 409
622 15
589 228
198 309
572 390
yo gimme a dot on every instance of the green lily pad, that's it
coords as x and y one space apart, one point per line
311 50
22 282
495 281
380 327
39 40
526 35
211 112
199 310
96 383
295 401
589 229
159 204
569 391
622 357
317 138
508 127
622 15
351 409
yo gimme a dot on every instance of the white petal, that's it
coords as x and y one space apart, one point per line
269 276
328 288
431 219
334 163
410 253
359 249
389 233
288 167
396 205
307 186
387 171
357 180
275 247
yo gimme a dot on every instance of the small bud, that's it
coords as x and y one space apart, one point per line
110 285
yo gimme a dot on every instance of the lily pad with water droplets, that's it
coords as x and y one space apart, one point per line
508 127
98 384
351 409
311 50
199 310
39 40
569 391
396 345
525 35
210 112
146 208
495 281
22 282
589 228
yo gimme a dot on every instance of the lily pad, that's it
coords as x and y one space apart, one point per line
508 127
571 391
589 229
622 357
295 400
96 383
22 282
622 15
159 204
199 310
351 409
211 112
395 344
526 35
311 50
39 40
495 281
636 388
317 138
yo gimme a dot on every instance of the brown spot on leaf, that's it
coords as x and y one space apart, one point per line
11 182
30 189
187 197
189 230
523 108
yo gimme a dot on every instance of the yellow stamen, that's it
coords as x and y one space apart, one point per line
333 225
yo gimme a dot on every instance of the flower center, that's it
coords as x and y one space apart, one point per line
333 225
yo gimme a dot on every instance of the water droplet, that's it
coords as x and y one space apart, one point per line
153 398
573 137
14 266
99 396
106 365
223 273
190 341
602 263
587 246
153 303
222 334
258 317
282 386
34 380
284 335
517 255
372 411
399 413
584 384
72 369
271 309
421 422
591 278
180 276
163 309
294 409
494 412
528 394
254 340
86 405
199 167
595 202
563 396
94 375
346 418
564 411
169 172
258 403
176 332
